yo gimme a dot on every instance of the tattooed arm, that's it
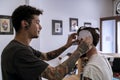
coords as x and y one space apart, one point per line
55 53
58 72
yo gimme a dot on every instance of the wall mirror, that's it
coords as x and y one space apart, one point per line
109 34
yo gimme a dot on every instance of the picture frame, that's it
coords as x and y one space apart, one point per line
57 28
87 24
5 25
73 23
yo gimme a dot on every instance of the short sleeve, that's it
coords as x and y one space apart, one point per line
36 52
88 72
27 65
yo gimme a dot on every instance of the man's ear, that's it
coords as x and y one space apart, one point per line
24 24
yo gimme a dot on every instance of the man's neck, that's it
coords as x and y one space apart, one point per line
22 39
91 52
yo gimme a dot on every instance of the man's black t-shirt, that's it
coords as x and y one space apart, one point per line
20 62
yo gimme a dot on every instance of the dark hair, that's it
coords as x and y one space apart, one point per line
23 12
93 31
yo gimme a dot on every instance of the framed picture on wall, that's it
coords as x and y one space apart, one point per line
73 23
87 24
57 28
5 25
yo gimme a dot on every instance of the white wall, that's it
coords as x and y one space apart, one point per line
84 10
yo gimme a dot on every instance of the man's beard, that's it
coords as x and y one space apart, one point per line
35 36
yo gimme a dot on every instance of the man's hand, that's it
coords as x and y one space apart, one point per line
71 39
